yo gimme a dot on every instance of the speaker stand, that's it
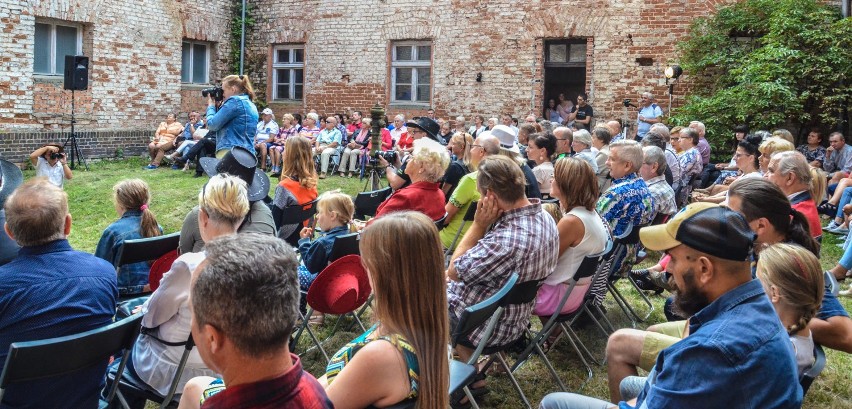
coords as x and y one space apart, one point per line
74 149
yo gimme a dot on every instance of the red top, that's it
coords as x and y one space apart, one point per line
808 208
405 141
424 197
294 389
387 141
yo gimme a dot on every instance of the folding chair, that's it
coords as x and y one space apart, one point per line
620 254
366 203
297 214
345 245
440 222
486 312
831 282
591 267
136 387
147 249
34 360
468 217
813 372
641 254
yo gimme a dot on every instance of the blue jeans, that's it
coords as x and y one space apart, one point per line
844 200
564 400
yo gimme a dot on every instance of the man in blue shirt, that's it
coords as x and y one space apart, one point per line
649 113
737 353
49 291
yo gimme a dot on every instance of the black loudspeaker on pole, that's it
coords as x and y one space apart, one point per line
76 79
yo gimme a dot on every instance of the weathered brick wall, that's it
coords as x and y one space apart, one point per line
502 39
135 62
17 146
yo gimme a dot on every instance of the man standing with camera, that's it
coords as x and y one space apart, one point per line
49 161
649 113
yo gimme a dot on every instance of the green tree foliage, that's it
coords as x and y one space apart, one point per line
768 64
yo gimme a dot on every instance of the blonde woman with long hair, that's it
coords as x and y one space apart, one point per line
235 122
408 343
459 145
298 185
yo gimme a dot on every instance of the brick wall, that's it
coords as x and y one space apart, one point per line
17 146
135 62
502 39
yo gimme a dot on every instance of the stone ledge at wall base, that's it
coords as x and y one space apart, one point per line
16 146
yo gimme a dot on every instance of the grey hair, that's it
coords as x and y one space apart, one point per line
313 115
252 296
648 95
663 130
653 154
629 151
700 125
490 144
795 163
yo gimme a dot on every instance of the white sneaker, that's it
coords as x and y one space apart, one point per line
831 226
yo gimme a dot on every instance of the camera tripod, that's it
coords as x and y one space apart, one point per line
373 178
74 149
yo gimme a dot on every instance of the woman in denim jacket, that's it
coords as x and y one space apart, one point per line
235 124
131 199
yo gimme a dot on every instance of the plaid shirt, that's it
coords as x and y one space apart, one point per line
626 201
295 389
522 241
663 196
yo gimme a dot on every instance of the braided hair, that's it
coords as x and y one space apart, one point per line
796 274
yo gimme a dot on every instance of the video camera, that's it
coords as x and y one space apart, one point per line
389 156
217 93
627 103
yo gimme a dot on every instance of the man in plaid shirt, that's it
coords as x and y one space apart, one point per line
523 240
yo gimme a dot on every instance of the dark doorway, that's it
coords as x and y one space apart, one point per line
564 69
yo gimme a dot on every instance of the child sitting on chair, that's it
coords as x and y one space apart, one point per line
334 214
136 221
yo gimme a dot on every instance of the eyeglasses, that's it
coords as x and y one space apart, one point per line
476 146
415 130
675 139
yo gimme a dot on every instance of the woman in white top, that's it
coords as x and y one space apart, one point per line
266 128
793 281
581 233
478 126
49 161
540 149
399 128
223 205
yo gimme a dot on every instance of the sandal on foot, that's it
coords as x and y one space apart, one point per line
458 400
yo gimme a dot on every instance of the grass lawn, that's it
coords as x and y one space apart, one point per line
174 193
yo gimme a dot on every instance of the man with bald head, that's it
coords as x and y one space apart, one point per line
49 291
564 138
615 130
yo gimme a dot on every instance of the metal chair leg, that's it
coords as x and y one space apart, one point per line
513 380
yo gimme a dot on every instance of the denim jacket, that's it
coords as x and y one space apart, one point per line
315 254
235 124
132 277
737 355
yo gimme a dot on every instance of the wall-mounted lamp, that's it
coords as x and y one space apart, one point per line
673 71
479 77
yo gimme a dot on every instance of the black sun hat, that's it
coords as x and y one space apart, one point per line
240 162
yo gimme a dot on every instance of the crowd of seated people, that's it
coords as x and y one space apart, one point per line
497 170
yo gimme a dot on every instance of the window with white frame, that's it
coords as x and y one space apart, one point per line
53 41
195 63
288 72
411 72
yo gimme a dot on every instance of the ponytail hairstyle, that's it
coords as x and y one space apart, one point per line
134 194
763 199
796 274
751 144
242 82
